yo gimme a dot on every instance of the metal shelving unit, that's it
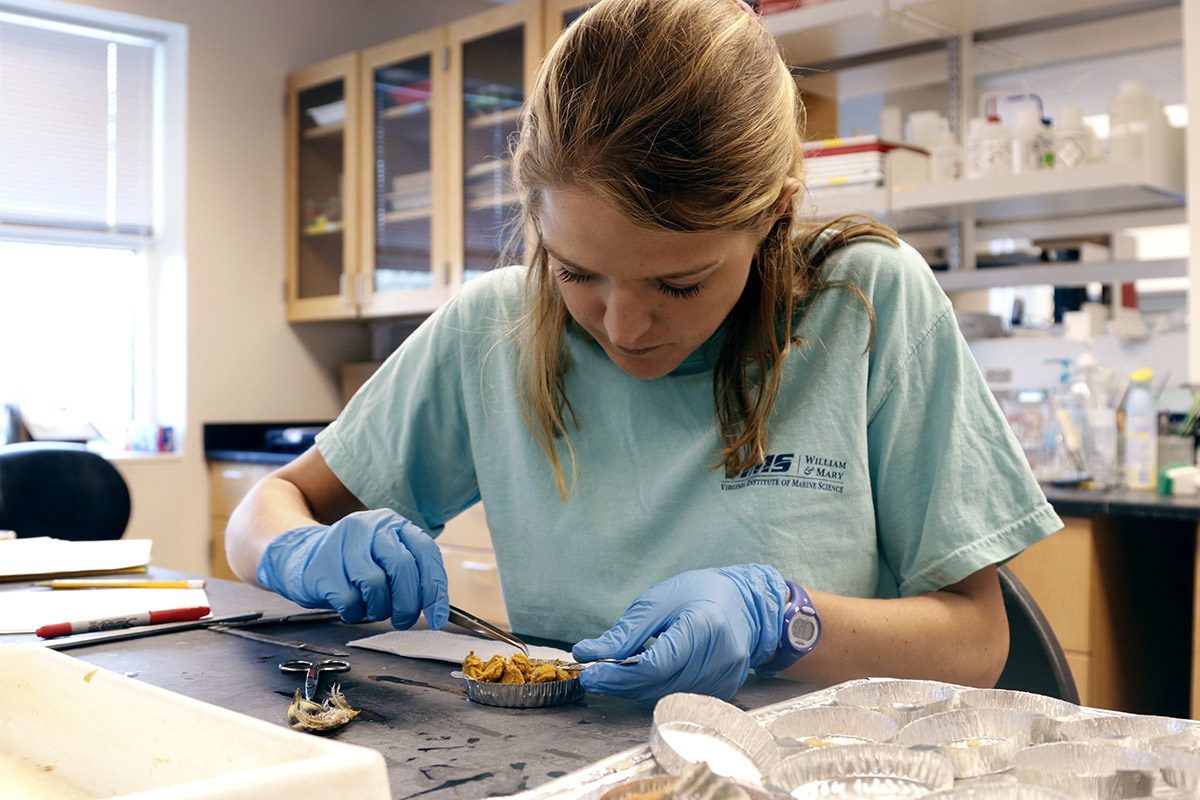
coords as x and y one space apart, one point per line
847 48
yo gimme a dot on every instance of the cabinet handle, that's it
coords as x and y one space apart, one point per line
478 566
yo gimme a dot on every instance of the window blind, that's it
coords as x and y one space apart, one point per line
76 128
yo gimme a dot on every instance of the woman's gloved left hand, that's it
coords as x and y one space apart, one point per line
712 626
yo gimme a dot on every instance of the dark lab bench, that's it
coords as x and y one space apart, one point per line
436 742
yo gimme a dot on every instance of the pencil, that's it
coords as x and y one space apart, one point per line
67 584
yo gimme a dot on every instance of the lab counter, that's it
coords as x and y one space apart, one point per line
437 743
1074 502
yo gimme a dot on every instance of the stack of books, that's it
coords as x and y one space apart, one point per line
863 162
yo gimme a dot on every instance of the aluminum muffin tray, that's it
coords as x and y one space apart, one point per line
1167 767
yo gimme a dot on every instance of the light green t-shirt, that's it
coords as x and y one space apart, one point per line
888 473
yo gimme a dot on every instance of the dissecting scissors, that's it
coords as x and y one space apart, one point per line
312 671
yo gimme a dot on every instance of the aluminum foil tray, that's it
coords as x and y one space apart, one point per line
1000 791
977 741
826 726
1180 768
522 695
1049 713
903 700
639 787
862 770
690 728
1124 731
1089 770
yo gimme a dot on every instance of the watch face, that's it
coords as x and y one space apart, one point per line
802 631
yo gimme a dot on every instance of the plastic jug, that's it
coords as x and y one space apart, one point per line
1130 114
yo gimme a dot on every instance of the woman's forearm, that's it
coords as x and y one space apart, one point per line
958 635
272 507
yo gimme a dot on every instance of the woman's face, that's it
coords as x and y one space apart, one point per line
650 298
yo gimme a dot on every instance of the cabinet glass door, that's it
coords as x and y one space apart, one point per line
492 82
560 14
401 258
321 206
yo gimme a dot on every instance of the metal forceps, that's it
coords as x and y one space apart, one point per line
471 622
312 671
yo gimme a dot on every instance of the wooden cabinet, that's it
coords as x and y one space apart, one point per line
558 14
1060 572
493 58
397 166
1118 592
322 205
228 483
471 571
401 183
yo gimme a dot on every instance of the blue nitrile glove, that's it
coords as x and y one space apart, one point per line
712 625
370 564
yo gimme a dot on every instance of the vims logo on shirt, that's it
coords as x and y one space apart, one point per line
792 470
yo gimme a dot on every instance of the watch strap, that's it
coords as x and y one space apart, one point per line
788 654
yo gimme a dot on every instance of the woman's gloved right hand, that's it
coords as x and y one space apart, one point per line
369 565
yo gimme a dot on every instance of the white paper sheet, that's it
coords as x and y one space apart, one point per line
26 610
451 647
42 555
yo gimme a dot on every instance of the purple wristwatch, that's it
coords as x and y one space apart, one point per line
801 632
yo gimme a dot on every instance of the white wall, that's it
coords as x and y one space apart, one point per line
244 362
1191 55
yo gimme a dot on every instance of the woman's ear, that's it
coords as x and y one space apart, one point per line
790 187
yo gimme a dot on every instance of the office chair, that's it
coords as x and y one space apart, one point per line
61 490
1036 662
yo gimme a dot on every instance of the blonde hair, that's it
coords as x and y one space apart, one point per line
682 116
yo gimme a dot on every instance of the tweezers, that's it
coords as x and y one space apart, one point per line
473 623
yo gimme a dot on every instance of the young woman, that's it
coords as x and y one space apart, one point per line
689 418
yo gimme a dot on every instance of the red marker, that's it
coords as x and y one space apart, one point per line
128 621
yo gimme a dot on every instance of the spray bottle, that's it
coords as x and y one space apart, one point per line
1141 432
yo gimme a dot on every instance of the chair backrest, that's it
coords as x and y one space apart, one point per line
61 490
1036 661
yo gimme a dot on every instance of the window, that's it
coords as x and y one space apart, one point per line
91 210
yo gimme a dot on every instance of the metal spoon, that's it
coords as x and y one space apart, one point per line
578 665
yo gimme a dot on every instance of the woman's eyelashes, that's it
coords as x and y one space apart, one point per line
567 276
681 292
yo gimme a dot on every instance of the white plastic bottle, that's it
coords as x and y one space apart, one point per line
1029 141
989 148
1141 432
1129 116
1072 139
947 159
